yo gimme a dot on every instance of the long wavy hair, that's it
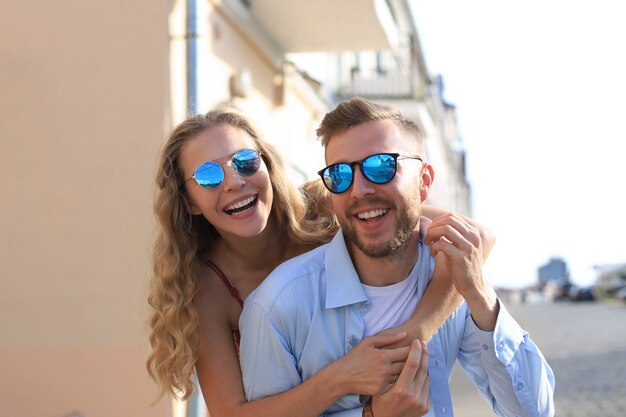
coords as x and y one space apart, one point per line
184 240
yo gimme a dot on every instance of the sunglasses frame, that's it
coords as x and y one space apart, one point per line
225 159
359 163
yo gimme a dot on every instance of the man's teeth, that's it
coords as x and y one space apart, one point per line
240 204
373 213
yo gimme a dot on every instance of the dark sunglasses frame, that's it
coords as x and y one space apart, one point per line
325 173
216 164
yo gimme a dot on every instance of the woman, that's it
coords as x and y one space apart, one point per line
223 227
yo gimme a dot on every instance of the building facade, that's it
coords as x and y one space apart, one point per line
555 271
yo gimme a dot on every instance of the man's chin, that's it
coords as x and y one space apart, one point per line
376 249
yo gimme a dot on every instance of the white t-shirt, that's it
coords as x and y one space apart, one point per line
394 304
391 305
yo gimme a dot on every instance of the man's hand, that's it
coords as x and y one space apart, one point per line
369 370
458 244
408 397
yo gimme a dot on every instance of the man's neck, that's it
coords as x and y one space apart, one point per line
380 272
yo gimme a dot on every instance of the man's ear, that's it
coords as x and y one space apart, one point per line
428 175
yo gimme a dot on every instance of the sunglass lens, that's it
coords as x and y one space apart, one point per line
379 169
209 175
247 161
337 177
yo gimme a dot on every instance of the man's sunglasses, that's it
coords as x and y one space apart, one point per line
379 168
211 174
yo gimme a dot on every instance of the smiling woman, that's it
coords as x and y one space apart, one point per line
234 177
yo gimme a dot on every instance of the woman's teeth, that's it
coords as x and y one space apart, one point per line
240 205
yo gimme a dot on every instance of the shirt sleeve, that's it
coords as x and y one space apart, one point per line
267 364
508 368
353 412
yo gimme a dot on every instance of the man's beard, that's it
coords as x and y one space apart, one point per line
408 217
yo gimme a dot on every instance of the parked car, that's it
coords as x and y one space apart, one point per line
583 294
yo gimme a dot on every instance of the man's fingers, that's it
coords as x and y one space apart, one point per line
393 355
425 392
384 339
424 357
411 365
396 368
422 370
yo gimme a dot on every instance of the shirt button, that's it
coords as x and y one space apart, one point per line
485 347
520 385
501 345
353 341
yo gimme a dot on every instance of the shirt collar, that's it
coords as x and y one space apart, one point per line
343 286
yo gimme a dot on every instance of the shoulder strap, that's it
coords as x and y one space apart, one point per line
233 291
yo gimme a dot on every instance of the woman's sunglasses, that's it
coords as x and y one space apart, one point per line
211 174
379 168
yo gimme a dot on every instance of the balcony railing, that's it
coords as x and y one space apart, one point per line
392 84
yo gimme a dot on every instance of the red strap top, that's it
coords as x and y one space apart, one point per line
233 291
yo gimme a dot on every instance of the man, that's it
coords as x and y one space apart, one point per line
366 280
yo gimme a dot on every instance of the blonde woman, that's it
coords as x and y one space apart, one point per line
223 226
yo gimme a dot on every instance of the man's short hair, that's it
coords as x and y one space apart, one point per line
357 110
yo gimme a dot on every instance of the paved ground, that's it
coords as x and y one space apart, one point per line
585 344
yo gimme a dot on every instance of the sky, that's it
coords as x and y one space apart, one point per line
540 92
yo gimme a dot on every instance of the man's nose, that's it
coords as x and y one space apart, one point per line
361 186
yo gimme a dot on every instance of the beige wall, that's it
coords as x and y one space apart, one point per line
84 108
88 91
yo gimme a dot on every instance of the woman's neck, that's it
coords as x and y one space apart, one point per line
248 260
255 252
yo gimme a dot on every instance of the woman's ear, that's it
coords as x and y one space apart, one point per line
428 175
194 209
191 207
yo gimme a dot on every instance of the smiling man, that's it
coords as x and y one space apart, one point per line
315 308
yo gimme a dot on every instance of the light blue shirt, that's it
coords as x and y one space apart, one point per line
309 312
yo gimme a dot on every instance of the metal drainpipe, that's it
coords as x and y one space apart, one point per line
195 406
195 403
192 37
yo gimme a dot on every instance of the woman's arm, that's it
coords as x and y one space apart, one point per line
366 369
440 298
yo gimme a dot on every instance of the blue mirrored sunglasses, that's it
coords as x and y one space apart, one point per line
379 168
211 174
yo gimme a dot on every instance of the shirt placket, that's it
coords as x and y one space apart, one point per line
441 400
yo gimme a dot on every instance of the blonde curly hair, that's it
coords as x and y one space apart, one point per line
183 241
